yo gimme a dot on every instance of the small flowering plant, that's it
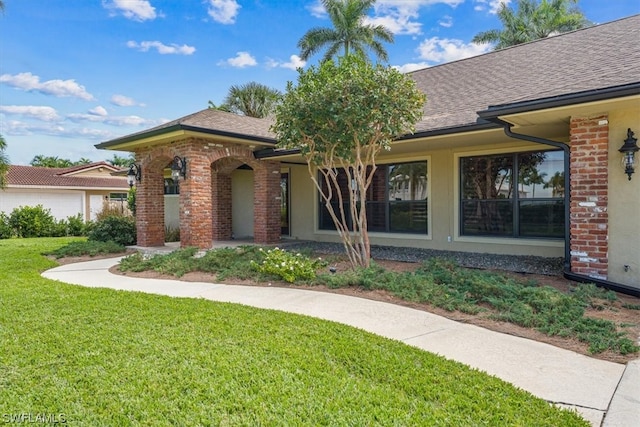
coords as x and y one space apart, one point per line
287 265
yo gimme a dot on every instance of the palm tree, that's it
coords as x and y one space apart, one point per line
533 21
349 32
4 160
252 99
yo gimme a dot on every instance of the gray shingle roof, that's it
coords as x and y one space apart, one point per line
593 58
209 121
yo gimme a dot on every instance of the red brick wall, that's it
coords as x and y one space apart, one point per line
205 194
266 211
589 196
222 205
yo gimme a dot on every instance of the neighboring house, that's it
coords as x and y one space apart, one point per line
502 136
65 191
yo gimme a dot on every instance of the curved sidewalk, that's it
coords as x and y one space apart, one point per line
597 389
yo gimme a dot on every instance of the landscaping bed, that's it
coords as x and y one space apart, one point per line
581 318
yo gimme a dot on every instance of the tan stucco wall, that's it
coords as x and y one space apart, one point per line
242 203
443 203
624 203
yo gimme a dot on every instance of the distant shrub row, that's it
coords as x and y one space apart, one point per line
36 221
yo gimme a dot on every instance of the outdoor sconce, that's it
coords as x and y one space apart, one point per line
134 175
628 150
178 168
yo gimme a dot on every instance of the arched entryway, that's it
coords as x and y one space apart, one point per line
206 193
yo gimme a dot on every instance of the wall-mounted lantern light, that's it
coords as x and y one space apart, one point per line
179 168
628 150
134 175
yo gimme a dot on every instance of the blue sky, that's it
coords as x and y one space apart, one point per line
74 73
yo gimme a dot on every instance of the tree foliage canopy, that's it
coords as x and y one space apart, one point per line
4 163
56 162
339 108
252 99
349 33
122 161
341 115
532 21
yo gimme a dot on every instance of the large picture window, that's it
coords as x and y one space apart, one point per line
493 203
396 200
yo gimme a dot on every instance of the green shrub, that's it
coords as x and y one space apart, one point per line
171 234
76 226
59 228
91 248
287 266
119 229
131 200
6 232
32 221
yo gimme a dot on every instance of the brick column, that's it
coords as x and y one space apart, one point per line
222 212
150 207
266 190
195 203
589 196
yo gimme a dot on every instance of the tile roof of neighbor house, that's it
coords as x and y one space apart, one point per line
590 59
55 177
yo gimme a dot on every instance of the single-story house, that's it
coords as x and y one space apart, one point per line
65 191
553 113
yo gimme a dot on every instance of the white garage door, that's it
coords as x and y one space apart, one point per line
61 204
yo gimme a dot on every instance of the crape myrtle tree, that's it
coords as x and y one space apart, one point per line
340 115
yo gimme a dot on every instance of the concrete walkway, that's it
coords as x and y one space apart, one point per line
604 393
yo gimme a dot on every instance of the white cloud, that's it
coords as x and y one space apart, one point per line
99 111
241 60
125 101
163 49
317 10
59 88
137 10
399 16
110 120
446 21
223 11
437 50
18 128
294 63
493 6
407 68
44 113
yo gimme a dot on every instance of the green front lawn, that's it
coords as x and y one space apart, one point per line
103 357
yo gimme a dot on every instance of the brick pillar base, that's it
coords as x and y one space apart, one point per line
267 198
150 208
195 204
221 205
589 196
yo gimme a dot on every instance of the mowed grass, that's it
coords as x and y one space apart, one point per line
110 358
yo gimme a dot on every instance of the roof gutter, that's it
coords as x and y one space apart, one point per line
560 101
567 273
